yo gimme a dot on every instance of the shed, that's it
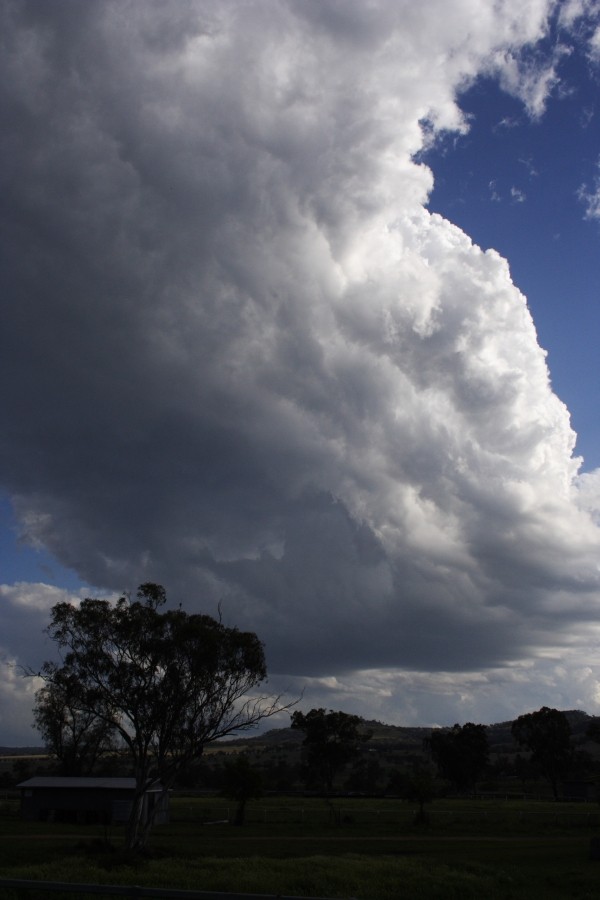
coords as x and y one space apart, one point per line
105 801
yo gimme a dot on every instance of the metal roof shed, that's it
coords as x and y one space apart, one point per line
106 801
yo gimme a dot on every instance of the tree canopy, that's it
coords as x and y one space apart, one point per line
460 753
77 736
547 735
241 782
162 683
331 740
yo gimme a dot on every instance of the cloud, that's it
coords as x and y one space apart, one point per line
17 695
23 645
494 195
246 362
26 613
441 698
531 170
590 197
532 81
532 73
580 17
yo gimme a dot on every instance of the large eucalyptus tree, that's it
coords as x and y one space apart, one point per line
164 683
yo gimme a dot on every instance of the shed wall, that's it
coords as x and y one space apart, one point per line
88 806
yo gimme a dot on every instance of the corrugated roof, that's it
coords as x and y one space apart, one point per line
46 781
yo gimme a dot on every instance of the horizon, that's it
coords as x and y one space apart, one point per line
250 735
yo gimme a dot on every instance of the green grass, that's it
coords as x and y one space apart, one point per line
348 875
495 850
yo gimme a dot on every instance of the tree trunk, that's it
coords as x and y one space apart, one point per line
240 813
135 833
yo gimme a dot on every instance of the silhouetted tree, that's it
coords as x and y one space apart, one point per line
460 753
280 775
593 730
397 781
167 683
241 782
331 741
76 736
546 734
421 786
365 775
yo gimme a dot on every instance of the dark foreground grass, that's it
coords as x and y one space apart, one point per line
469 852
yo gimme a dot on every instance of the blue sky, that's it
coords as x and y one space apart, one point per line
244 359
21 561
512 183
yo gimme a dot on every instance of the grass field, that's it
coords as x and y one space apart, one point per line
488 849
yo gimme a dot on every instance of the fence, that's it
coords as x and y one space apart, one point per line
393 814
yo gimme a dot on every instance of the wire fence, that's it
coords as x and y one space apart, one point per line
386 814
399 815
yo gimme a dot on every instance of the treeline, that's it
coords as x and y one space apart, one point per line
549 752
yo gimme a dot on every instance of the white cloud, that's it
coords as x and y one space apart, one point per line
572 10
586 490
249 364
25 614
23 647
595 45
581 18
29 597
17 694
590 197
556 677
494 195
532 81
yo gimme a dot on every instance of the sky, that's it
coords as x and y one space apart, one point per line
299 319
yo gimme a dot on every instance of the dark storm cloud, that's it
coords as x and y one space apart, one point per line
243 359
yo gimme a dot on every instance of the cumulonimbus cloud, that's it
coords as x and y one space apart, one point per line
244 358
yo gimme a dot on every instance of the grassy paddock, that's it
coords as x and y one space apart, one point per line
486 849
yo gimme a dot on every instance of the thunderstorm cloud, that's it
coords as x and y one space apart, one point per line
243 359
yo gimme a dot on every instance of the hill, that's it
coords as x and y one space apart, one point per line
407 737
22 751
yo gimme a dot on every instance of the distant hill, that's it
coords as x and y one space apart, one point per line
23 751
405 738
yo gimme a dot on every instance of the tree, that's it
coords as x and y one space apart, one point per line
166 683
593 730
547 735
331 741
364 776
460 753
76 737
421 787
241 783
